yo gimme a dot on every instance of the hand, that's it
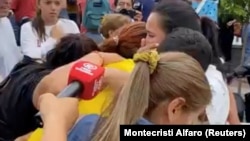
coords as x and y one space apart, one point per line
138 16
57 32
148 47
62 110
230 23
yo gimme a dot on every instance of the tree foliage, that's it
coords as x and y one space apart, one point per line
239 9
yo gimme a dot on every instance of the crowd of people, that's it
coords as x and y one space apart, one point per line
162 66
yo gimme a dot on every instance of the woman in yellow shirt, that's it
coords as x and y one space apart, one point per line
125 41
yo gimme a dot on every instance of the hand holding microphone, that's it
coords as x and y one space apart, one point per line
85 80
52 112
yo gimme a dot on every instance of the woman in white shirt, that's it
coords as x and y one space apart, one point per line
41 34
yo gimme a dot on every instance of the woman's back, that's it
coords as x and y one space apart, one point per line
17 89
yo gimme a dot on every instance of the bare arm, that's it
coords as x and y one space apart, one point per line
49 130
24 137
57 80
57 120
233 112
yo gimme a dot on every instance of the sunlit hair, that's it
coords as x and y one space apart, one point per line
176 75
112 22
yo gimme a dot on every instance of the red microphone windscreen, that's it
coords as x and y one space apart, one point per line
89 75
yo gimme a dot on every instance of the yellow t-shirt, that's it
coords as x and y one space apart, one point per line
99 103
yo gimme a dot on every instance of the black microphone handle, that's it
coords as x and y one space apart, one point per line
72 90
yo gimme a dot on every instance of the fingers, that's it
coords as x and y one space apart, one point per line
143 42
138 12
138 16
148 47
72 100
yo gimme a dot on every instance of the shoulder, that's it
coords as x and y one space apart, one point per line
67 21
217 111
4 20
216 81
83 128
69 25
5 24
27 25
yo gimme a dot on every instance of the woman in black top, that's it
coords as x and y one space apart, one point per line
16 92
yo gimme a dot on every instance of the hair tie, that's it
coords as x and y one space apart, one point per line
151 57
116 40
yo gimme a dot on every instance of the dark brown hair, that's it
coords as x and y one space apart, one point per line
69 49
38 24
126 40
177 13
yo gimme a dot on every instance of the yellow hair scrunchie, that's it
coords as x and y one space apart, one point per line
151 57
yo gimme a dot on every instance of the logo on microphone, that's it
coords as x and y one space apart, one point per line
87 68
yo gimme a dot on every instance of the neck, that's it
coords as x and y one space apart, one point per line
50 21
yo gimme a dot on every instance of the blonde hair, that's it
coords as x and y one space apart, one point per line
176 75
111 22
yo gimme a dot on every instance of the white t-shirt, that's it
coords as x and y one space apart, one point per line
10 54
33 47
218 110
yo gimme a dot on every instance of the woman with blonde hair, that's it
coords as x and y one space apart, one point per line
156 93
112 22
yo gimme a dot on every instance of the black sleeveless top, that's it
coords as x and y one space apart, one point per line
16 107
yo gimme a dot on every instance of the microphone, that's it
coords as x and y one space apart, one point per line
85 80
90 75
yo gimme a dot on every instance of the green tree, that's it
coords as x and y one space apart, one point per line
239 9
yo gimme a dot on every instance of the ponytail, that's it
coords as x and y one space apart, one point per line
130 106
210 31
38 25
123 47
110 45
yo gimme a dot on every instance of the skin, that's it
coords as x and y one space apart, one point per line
128 4
173 112
4 8
50 10
57 80
167 112
124 4
155 33
62 119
